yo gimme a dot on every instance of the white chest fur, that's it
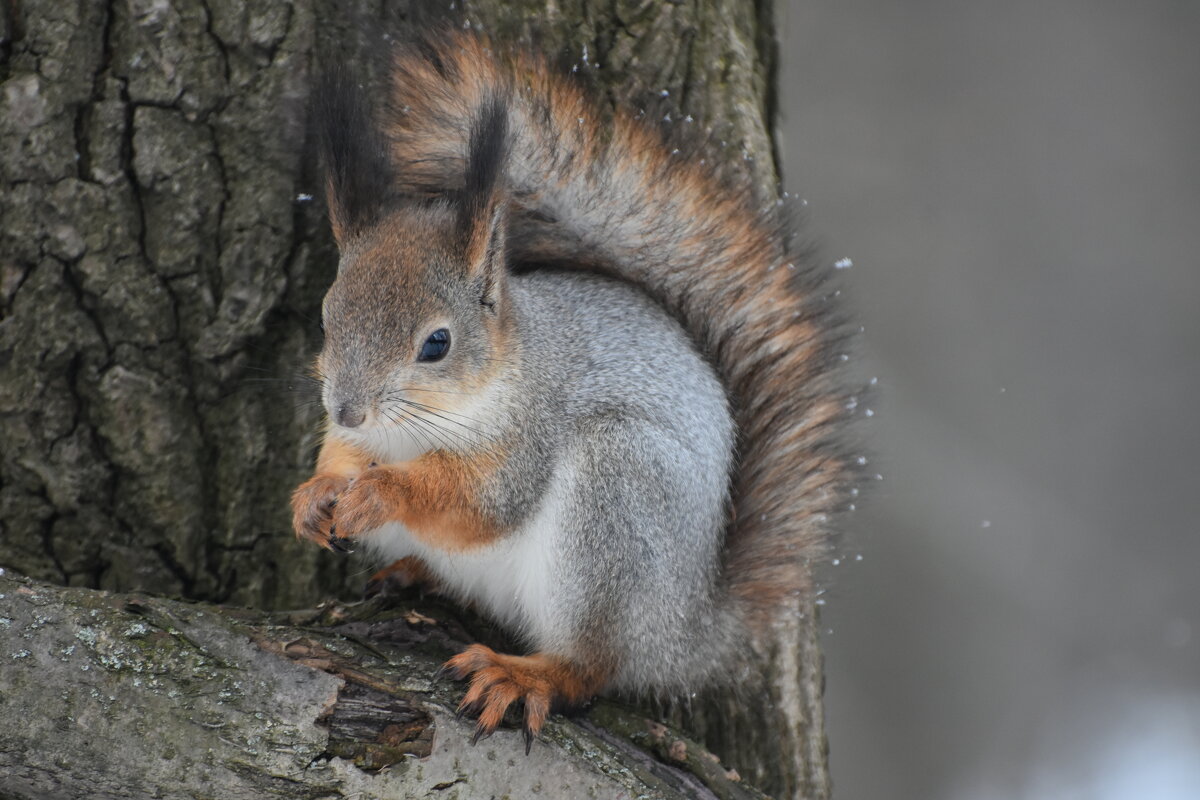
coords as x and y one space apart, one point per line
514 581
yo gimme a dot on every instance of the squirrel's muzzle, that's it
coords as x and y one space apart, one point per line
349 415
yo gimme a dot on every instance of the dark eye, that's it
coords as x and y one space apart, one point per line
435 346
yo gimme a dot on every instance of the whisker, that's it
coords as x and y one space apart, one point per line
448 416
444 414
402 431
442 431
427 407
389 431
436 431
405 420
422 389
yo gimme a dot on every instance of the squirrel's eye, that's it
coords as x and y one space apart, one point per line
435 346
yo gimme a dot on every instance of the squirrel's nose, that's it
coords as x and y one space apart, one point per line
349 416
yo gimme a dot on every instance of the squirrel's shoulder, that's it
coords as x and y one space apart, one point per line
594 309
585 293
610 340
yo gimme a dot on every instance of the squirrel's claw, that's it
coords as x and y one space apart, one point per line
337 544
466 709
529 735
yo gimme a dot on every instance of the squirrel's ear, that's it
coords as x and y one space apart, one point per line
483 204
358 172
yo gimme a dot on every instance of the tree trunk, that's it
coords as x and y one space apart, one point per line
161 267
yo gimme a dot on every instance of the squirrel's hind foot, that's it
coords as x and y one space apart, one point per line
497 681
401 576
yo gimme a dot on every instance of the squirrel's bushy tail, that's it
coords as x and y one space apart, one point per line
600 190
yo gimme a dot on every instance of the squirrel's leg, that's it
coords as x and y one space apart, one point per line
634 598
314 500
401 574
540 681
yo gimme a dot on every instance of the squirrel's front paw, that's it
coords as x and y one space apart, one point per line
312 506
373 499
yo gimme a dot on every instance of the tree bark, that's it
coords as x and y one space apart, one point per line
161 266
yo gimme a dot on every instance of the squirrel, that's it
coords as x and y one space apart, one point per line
573 378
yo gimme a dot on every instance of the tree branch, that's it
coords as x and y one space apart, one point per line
128 695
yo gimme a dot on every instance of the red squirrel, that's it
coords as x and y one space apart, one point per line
573 378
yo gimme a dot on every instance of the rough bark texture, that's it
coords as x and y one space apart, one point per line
161 263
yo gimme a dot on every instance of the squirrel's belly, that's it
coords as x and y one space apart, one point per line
512 581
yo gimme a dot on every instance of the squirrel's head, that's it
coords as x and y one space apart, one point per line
416 321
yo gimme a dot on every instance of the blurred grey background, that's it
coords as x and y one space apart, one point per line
1018 186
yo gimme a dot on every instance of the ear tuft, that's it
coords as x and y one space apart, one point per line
358 172
482 204
482 184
